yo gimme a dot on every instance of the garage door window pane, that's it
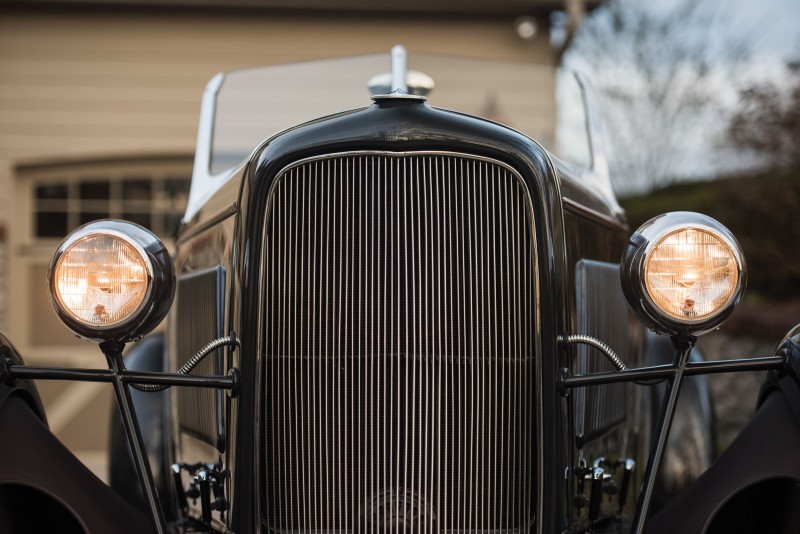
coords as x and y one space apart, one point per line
95 190
51 224
137 189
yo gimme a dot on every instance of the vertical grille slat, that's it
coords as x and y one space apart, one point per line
399 356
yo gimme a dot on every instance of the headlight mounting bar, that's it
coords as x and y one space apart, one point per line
674 375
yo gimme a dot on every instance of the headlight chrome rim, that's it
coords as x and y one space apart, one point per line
636 259
159 278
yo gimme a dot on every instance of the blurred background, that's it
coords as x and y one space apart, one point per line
99 103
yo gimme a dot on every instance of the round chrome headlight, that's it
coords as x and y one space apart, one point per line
111 281
683 272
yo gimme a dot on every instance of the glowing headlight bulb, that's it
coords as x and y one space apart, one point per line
683 272
101 279
691 273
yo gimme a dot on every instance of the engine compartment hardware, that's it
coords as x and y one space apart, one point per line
212 493
602 479
629 465
183 504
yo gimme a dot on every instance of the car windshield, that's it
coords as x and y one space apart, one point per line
254 104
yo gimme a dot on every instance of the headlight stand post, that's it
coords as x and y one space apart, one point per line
113 354
683 344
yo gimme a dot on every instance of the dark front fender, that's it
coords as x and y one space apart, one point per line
764 456
36 465
24 389
755 484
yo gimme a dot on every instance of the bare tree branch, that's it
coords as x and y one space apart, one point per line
768 120
653 68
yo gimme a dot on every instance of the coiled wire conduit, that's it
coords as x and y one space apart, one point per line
186 368
608 352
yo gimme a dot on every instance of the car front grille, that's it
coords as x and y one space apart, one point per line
399 346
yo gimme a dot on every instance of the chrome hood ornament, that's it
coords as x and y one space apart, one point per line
400 82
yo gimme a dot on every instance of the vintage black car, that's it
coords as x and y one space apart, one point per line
401 318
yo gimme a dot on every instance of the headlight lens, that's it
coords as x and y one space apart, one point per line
683 272
691 274
101 280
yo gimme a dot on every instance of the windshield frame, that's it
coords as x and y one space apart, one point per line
205 182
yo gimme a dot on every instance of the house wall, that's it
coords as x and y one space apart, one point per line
77 84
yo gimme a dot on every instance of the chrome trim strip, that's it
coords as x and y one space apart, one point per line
582 211
398 95
190 232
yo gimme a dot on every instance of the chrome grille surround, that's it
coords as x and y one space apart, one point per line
399 346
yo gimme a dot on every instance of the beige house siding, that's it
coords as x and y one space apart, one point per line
77 85
3 267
